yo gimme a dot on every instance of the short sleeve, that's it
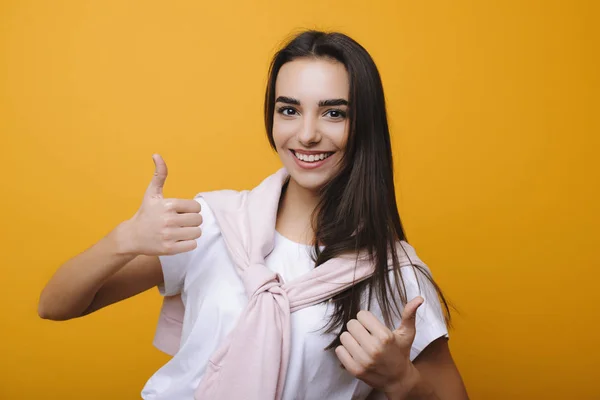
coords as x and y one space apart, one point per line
175 267
430 323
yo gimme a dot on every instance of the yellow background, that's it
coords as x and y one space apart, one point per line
494 114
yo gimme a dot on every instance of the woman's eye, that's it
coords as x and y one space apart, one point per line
336 114
287 111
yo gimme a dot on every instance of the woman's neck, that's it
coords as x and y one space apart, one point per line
295 211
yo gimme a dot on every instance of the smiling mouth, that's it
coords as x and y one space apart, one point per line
315 157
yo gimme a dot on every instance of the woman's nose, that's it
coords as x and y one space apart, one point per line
309 133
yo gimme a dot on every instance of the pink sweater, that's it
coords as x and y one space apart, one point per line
252 361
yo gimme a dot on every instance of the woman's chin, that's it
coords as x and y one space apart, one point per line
309 180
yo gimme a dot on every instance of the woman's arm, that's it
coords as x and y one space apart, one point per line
381 358
125 262
439 377
100 276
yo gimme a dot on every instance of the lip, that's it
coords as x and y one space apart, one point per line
309 165
309 152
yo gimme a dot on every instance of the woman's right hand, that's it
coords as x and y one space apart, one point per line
161 226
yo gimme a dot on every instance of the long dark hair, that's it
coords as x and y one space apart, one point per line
357 210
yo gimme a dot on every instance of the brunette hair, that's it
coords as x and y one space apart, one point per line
357 209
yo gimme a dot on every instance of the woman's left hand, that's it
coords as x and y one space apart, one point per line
378 356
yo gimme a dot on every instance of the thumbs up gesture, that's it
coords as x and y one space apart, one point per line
163 226
378 356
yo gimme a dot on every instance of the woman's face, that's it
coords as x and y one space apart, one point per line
310 124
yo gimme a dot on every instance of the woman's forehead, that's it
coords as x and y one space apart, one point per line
311 80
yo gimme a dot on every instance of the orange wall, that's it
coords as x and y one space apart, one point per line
498 177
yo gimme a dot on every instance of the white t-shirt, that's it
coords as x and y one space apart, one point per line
214 297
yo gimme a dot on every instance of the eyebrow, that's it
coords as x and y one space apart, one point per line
322 103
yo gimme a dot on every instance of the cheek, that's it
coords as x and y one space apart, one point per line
283 131
337 133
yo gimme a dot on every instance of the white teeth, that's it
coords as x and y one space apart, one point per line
311 157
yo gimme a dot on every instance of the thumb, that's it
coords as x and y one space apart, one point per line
160 176
407 328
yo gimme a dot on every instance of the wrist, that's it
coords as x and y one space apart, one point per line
412 387
421 389
122 240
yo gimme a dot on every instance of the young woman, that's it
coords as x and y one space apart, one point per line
383 336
